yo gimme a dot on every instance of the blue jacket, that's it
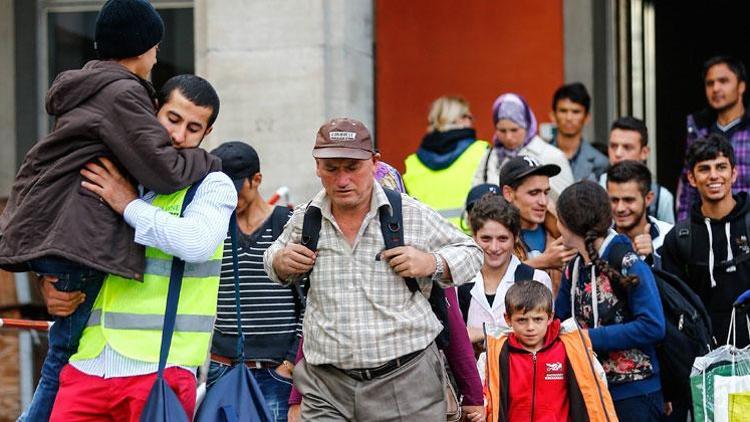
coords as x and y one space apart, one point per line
643 331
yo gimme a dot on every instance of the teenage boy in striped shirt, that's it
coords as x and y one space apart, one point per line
271 313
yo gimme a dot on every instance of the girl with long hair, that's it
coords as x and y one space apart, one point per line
611 293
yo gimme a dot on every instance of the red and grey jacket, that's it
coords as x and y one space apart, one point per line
557 383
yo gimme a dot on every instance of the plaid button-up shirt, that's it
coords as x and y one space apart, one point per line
360 313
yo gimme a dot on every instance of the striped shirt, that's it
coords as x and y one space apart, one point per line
360 313
271 314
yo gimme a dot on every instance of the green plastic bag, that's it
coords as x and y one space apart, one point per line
720 374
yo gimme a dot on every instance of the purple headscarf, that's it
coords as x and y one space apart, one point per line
389 177
514 108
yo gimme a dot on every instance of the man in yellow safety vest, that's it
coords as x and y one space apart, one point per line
114 367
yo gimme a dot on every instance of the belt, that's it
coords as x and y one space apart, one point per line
256 364
382 370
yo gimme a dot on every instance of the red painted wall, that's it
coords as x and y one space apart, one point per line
478 49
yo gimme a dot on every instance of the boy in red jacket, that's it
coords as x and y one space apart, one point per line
538 373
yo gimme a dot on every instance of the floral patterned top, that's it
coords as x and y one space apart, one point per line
621 365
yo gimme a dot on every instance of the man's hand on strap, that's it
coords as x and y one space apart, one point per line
408 261
294 259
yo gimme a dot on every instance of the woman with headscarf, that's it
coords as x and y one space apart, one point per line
516 134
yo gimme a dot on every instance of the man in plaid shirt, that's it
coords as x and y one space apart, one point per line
369 341
725 81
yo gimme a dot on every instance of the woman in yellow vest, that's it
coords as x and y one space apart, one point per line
439 174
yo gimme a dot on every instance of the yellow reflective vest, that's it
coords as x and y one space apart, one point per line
128 315
445 190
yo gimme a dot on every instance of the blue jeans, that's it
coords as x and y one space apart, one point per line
275 388
645 408
65 332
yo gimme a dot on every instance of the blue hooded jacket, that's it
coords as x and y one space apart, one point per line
643 331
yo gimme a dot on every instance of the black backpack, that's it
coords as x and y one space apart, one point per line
523 272
391 225
688 328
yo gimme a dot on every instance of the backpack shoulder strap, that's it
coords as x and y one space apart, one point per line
279 217
391 225
523 272
311 227
684 240
310 235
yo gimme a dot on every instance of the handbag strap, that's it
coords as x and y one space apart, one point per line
173 294
233 233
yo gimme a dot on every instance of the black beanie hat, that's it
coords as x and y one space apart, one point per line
127 28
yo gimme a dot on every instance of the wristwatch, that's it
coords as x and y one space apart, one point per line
439 268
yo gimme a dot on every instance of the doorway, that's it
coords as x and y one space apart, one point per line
687 34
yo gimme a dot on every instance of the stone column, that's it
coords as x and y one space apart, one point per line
282 68
7 99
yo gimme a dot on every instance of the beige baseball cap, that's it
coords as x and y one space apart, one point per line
343 138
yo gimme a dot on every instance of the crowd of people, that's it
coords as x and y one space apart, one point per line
501 281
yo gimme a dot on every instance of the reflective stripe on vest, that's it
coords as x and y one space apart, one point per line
128 315
126 321
163 267
444 190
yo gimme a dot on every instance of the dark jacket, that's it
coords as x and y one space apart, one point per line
729 282
101 110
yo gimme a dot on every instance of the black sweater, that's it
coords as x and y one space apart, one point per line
694 269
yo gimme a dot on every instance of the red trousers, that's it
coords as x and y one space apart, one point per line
84 397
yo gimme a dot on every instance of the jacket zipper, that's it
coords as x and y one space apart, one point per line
533 385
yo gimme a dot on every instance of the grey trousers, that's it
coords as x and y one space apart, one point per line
413 392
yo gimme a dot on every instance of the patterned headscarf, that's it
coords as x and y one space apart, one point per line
389 177
514 108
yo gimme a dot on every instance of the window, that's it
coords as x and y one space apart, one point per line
57 35
70 42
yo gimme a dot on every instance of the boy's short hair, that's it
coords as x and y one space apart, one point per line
631 171
528 295
196 89
709 148
634 124
575 92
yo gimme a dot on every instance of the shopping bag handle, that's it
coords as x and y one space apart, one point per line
233 234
